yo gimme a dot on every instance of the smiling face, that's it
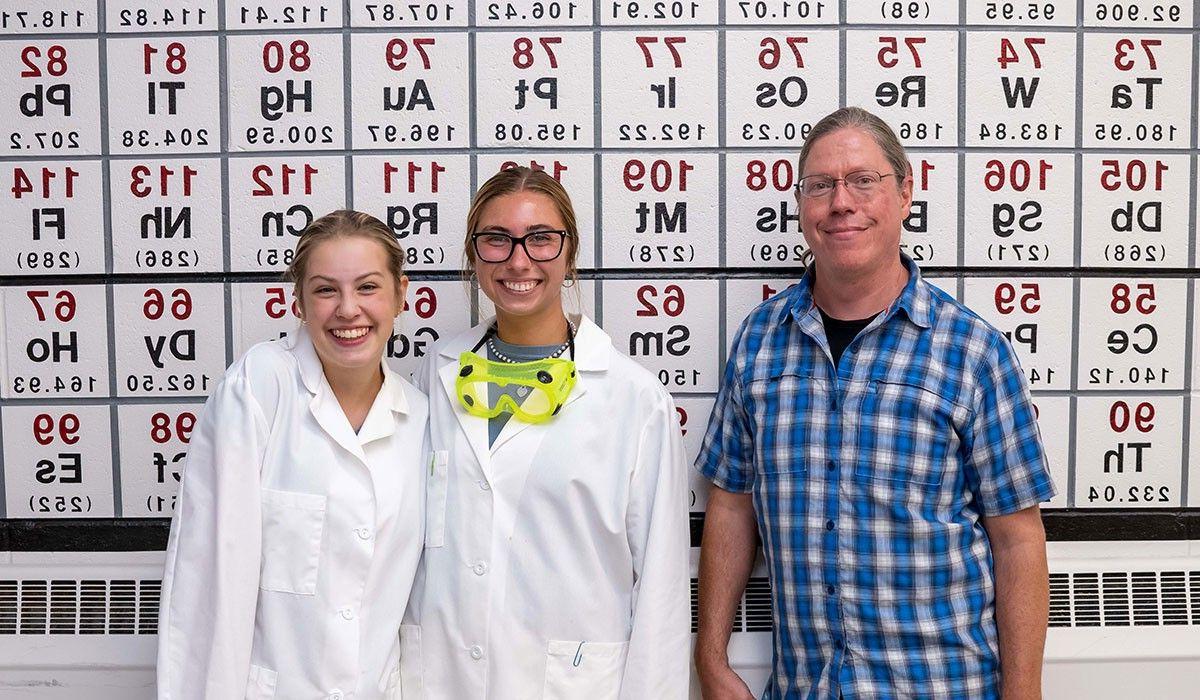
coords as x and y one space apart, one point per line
521 288
349 299
854 236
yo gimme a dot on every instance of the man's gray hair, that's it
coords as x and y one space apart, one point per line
858 118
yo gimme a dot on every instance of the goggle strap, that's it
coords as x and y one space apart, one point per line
490 332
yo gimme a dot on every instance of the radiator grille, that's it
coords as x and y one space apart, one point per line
1121 599
1080 599
1084 599
79 607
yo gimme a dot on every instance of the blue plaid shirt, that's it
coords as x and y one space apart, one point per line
869 479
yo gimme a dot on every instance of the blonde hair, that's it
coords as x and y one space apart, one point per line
343 223
522 179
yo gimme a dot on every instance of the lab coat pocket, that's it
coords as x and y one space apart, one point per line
261 684
435 499
579 670
291 541
412 675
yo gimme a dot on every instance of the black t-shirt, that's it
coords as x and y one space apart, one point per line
840 333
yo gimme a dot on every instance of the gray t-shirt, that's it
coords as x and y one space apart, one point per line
520 353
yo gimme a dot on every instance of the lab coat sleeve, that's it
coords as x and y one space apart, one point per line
657 521
210 585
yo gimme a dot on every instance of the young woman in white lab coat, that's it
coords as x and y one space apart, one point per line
299 520
556 553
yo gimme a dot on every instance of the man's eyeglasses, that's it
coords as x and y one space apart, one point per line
861 183
496 247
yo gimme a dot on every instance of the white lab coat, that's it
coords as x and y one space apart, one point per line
556 561
295 541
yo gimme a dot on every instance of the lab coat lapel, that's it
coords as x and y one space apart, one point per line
380 422
324 405
513 427
476 429
332 419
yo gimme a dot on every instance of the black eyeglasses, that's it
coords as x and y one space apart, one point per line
496 247
861 183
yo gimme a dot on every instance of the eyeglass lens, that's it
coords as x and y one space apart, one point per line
861 182
540 246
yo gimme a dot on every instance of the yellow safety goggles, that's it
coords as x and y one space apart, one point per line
549 381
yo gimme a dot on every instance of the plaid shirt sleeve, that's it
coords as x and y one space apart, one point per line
727 455
1005 462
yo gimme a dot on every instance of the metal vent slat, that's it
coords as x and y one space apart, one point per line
1194 594
1060 600
64 606
1114 589
1085 589
758 605
122 612
8 607
148 596
695 597
1146 604
93 607
33 607
1174 598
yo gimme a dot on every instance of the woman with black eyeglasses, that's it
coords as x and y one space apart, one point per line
556 551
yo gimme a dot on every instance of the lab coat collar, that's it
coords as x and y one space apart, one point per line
324 406
380 422
593 350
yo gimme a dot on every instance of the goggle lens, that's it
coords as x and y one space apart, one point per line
476 376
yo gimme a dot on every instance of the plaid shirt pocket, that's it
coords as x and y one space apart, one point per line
907 433
783 406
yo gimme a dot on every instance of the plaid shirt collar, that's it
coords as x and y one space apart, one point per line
915 299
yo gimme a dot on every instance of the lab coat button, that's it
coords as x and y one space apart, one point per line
335 695
347 614
484 485
364 533
477 652
480 568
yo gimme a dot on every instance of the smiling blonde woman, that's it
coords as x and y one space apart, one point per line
299 519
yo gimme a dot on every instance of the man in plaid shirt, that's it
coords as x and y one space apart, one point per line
879 437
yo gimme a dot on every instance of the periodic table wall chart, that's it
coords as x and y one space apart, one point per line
158 160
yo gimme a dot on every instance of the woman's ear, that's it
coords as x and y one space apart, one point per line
297 307
401 294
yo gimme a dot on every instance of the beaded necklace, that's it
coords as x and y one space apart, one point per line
561 349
